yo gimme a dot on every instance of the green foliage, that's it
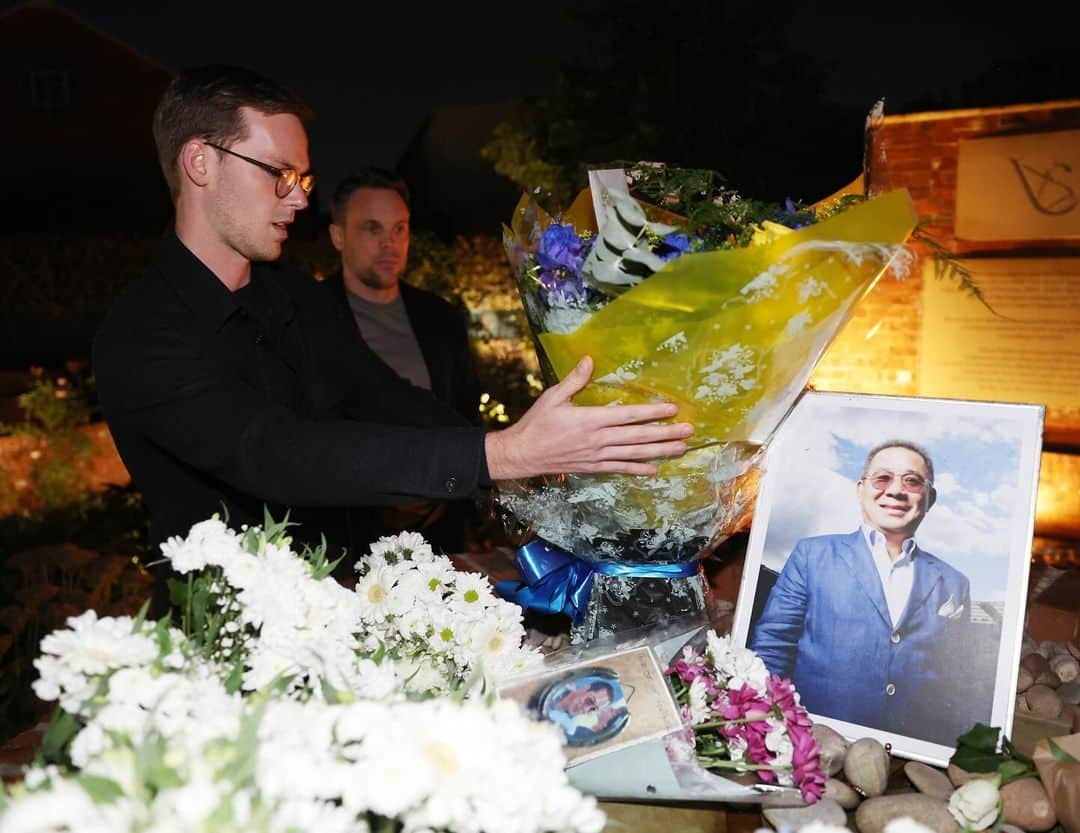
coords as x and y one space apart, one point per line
57 738
54 408
514 152
977 751
948 267
713 211
54 404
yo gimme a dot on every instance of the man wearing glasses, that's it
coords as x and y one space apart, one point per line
868 626
228 383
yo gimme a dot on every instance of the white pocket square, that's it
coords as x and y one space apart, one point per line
950 610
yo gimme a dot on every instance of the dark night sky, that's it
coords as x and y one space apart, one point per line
372 72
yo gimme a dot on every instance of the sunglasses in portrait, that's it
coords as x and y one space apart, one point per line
287 178
910 481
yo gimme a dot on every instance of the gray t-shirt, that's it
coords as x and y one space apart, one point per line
386 329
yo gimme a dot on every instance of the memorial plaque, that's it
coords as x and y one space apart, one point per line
1029 351
1024 187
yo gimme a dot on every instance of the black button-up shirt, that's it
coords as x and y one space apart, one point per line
261 397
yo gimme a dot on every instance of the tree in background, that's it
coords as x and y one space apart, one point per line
700 85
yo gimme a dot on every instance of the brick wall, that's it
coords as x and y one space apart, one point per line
877 352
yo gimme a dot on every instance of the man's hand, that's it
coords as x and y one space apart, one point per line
556 436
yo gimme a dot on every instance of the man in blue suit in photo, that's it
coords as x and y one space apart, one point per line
871 628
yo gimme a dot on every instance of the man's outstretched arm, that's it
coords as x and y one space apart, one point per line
555 436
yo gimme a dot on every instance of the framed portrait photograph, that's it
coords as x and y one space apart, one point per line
887 565
602 704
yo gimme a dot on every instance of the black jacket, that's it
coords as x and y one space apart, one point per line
215 403
442 332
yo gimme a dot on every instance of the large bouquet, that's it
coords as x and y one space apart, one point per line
682 291
286 702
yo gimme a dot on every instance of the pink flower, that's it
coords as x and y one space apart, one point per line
805 756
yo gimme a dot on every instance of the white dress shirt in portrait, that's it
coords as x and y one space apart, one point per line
897 576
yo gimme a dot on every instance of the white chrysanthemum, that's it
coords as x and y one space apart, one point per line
88 648
719 648
408 545
699 704
471 595
744 667
208 542
496 647
97 646
778 742
373 591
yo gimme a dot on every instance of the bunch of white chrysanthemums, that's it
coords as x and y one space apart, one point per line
442 626
282 703
219 763
260 608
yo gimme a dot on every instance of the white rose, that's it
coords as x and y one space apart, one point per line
976 804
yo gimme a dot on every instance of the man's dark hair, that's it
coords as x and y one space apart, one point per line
918 449
365 178
204 103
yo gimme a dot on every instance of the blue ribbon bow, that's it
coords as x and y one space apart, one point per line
554 581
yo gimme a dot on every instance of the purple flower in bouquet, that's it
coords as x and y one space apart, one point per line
743 718
794 217
560 255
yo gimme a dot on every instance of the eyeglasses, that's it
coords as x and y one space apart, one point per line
916 484
287 178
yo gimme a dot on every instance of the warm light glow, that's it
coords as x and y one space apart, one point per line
1057 512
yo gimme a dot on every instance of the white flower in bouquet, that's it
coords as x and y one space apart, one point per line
73 660
47 802
374 591
270 594
191 805
779 743
442 624
471 596
739 665
208 543
425 674
408 545
297 755
440 765
699 703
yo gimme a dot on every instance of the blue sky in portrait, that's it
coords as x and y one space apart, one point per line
983 500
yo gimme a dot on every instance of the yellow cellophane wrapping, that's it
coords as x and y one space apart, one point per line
731 336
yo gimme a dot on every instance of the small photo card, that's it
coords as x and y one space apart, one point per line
602 704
